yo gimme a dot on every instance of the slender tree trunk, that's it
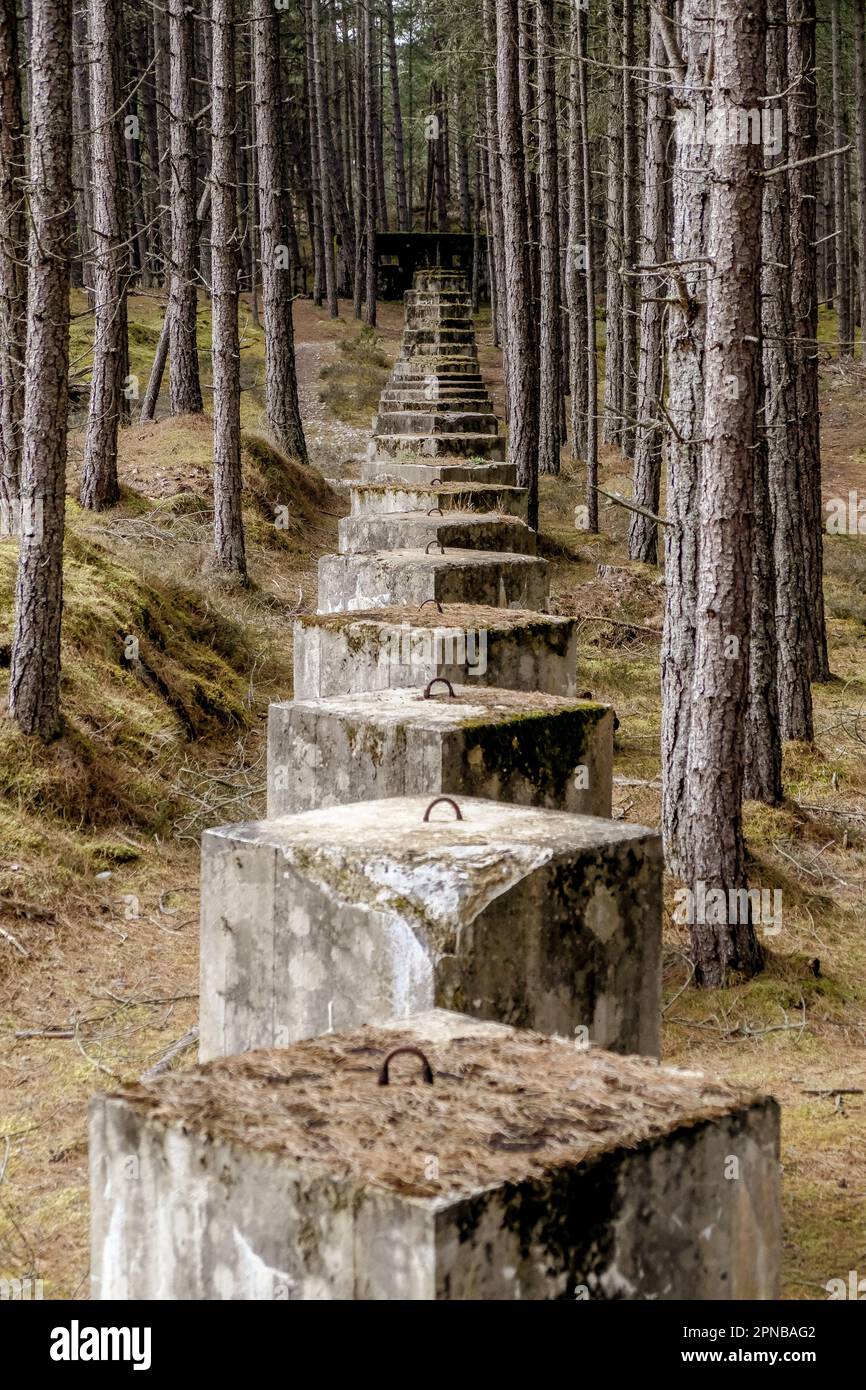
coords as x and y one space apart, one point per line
802 132
521 357
589 257
643 532
397 113
726 491
690 191
324 177
315 227
34 682
840 193
550 290
613 357
229 554
185 389
575 260
370 153
162 78
99 485
762 773
630 295
781 413
13 273
860 108
281 384
493 192
81 142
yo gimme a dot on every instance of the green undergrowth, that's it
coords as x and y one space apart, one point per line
354 382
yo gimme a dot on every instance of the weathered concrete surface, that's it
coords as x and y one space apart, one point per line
435 421
411 448
531 749
388 470
393 649
527 1170
386 578
454 530
361 913
381 499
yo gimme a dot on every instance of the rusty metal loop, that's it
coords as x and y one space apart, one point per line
428 545
427 1071
434 510
438 680
437 801
434 481
431 600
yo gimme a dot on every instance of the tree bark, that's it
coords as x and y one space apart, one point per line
840 192
184 385
81 144
370 169
781 413
13 251
643 533
521 357
397 113
803 141
575 258
99 484
493 189
229 554
690 193
550 293
281 385
726 490
321 154
613 357
589 279
630 296
860 108
34 683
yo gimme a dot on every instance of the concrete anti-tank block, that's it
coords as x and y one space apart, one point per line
456 530
525 1170
391 578
361 913
534 750
405 647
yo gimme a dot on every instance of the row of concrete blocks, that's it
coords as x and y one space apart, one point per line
516 1165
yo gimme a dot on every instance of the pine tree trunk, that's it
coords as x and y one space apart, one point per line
34 681
13 251
370 167
184 386
550 338
99 485
589 256
521 363
802 129
229 554
630 294
840 192
321 154
860 108
575 259
643 532
726 490
163 134
281 384
690 193
781 414
493 188
81 143
399 165
762 777
315 225
613 357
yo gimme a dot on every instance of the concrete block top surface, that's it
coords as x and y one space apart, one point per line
462 616
504 1106
490 840
467 707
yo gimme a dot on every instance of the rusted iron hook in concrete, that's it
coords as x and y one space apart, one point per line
439 680
449 801
426 1072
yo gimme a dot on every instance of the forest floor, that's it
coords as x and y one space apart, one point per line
166 735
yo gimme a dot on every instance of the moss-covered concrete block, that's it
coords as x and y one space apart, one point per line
525 1170
453 530
394 578
506 745
366 912
406 647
